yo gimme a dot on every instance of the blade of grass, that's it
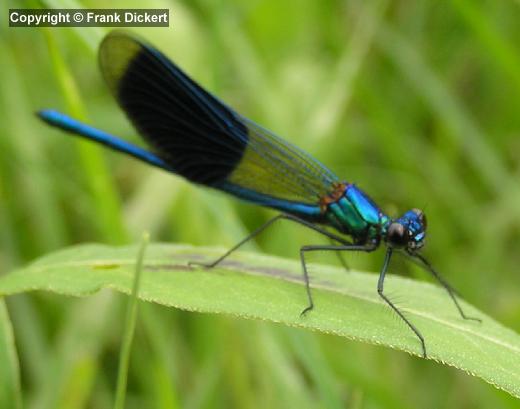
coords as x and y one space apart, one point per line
79 384
335 92
165 355
148 207
310 354
128 335
10 388
106 202
501 52
74 353
29 182
91 37
444 104
279 370
30 334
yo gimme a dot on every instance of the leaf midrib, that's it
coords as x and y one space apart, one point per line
344 291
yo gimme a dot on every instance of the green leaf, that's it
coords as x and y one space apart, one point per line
271 289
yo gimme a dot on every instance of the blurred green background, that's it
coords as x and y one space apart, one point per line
417 102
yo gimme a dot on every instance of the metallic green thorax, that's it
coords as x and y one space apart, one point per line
355 214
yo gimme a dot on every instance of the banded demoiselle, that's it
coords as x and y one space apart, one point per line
193 134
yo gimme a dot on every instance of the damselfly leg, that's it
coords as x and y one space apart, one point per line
425 264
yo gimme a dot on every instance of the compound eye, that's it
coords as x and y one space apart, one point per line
397 235
421 216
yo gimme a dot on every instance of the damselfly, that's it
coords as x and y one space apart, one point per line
196 136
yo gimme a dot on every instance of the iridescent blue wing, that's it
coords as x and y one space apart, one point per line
202 139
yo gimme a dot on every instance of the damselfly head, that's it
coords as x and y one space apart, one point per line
408 231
